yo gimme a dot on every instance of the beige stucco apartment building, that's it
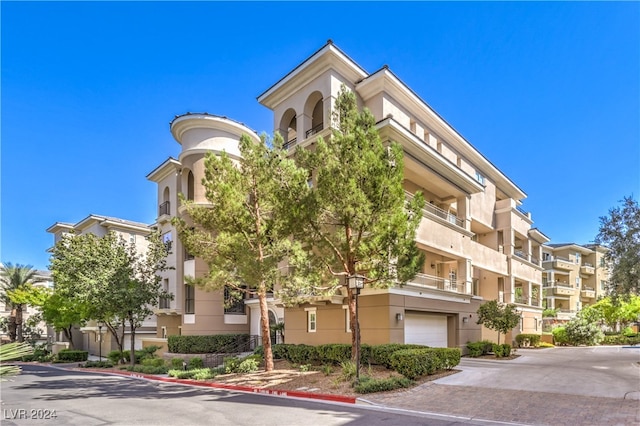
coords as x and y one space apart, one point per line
574 277
88 336
479 243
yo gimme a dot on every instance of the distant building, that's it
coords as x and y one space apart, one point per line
29 311
87 337
575 276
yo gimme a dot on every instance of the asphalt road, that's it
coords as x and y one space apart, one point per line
86 399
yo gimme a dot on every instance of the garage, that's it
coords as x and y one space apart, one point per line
425 329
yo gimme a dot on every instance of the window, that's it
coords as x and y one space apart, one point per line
577 282
163 332
603 285
578 258
347 319
189 299
602 262
190 186
479 177
132 238
311 320
233 303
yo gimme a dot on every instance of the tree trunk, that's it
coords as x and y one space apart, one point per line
19 336
353 322
264 329
69 335
133 343
12 325
118 337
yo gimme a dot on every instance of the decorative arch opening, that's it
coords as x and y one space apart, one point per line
165 206
190 186
289 127
314 108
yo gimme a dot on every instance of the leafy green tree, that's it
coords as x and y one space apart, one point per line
499 317
63 314
16 291
620 232
356 218
244 232
615 313
105 279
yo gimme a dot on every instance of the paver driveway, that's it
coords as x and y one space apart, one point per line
556 386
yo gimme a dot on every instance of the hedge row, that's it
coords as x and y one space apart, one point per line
414 363
525 340
620 339
68 355
219 343
336 353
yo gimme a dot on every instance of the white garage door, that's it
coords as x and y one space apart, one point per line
425 329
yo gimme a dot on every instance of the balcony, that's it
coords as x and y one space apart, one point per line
438 283
556 262
588 293
165 302
164 212
291 142
312 131
587 269
431 210
561 289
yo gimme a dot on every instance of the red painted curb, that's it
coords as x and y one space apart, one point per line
274 392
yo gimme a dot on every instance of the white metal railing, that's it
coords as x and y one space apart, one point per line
437 211
431 281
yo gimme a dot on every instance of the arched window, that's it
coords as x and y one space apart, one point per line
165 206
314 108
289 128
190 186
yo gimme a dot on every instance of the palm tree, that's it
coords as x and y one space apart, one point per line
11 351
13 278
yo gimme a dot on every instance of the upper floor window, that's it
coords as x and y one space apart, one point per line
578 258
189 299
190 186
480 177
167 239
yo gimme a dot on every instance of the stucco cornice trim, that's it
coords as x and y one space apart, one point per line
184 123
169 166
386 81
327 57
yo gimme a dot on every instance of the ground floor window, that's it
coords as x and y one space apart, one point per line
311 320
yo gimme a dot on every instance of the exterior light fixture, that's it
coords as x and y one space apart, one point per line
399 316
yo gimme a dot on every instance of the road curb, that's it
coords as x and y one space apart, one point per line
248 389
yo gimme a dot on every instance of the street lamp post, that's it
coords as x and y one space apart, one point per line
356 283
100 340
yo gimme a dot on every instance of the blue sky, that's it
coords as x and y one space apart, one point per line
548 92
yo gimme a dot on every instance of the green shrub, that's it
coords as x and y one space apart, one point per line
326 370
560 337
525 340
483 347
381 354
382 385
195 363
248 365
475 349
503 350
68 355
153 362
628 332
97 364
546 345
620 340
219 343
333 353
447 357
114 357
147 369
177 363
581 331
348 372
198 374
414 363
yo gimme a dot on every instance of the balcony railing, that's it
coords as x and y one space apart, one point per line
430 281
437 211
290 143
312 131
521 254
164 208
521 210
164 302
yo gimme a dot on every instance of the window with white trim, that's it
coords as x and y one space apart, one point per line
312 320
347 319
